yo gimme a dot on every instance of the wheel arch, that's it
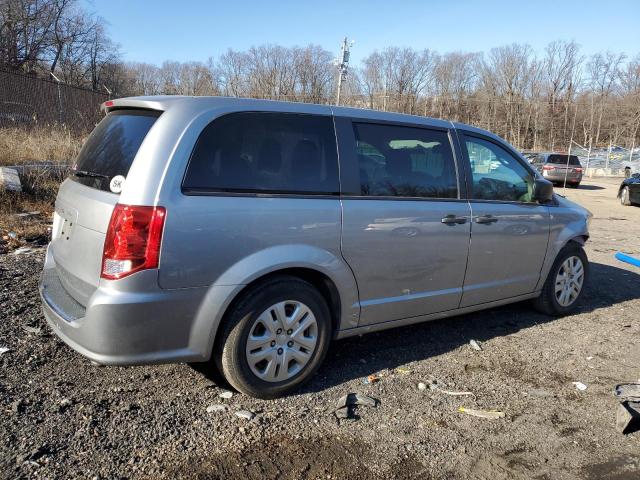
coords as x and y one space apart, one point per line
326 272
554 249
317 279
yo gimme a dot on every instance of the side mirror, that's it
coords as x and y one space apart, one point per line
542 190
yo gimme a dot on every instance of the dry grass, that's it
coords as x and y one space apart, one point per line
21 146
40 187
40 190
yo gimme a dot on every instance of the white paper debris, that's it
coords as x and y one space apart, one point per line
580 386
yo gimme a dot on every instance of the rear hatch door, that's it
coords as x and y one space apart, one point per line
86 199
565 163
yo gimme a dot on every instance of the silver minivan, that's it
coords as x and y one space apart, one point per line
251 233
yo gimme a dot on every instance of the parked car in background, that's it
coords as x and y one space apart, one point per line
629 191
530 156
558 167
251 233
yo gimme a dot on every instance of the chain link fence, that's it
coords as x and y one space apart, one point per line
27 101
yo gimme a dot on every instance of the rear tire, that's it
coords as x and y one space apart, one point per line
625 197
285 320
558 297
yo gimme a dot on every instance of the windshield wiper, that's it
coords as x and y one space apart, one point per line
84 173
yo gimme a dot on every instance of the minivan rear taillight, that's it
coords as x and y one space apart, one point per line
133 240
578 169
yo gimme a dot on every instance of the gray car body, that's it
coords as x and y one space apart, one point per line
213 247
560 172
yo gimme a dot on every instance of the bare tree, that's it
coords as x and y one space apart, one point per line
534 102
314 73
561 69
144 79
398 78
456 76
604 72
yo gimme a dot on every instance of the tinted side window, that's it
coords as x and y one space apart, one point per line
405 162
265 152
497 175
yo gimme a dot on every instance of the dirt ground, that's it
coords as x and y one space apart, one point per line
63 417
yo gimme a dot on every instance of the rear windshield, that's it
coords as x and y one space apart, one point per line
111 148
555 158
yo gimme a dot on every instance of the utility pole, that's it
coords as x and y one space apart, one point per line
343 65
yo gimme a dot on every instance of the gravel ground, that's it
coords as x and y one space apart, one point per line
66 418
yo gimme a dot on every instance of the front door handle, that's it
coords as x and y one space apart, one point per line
486 219
453 220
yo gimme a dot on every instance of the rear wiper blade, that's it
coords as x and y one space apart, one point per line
84 173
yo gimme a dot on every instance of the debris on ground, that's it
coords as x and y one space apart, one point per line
539 393
628 412
403 370
64 404
475 345
434 385
422 386
226 394
580 386
627 259
346 405
39 240
246 414
488 414
627 392
34 330
628 417
4 350
23 251
10 180
216 408
27 214
455 394
371 379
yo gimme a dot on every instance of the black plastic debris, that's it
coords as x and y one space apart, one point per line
347 405
628 417
628 412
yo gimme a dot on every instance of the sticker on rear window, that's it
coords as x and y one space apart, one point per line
117 183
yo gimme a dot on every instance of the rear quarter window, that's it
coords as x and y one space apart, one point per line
265 152
110 149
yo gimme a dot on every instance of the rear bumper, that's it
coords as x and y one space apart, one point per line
142 326
559 177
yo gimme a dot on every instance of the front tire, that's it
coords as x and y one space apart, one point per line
625 197
274 338
565 282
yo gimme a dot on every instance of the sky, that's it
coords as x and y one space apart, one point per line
189 30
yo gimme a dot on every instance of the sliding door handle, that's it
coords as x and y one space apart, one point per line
453 220
486 219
